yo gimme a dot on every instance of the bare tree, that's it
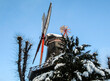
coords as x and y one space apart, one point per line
22 58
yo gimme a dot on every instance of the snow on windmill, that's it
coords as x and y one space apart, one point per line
53 43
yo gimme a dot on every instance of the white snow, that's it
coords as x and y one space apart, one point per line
76 51
73 79
85 73
56 35
81 47
74 60
57 57
107 70
58 75
43 76
91 67
79 75
99 71
47 79
84 61
59 65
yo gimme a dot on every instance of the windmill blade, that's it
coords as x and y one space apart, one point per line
43 22
37 50
47 19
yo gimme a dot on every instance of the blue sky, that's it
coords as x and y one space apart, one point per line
87 19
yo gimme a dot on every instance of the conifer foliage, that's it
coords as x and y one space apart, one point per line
80 64
75 64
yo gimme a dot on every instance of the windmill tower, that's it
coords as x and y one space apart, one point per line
54 43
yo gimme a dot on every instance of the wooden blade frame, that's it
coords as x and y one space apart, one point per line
47 19
37 50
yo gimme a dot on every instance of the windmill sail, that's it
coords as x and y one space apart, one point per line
48 19
37 50
45 23
45 30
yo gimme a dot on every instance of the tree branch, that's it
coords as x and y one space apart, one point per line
19 57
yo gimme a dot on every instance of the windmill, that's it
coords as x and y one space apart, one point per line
64 30
55 46
45 23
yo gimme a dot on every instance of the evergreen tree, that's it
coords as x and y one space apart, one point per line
75 64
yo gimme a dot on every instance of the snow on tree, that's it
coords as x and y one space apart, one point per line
74 64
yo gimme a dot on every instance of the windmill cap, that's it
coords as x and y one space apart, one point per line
50 37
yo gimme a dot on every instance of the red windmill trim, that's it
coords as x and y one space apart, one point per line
65 32
42 49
